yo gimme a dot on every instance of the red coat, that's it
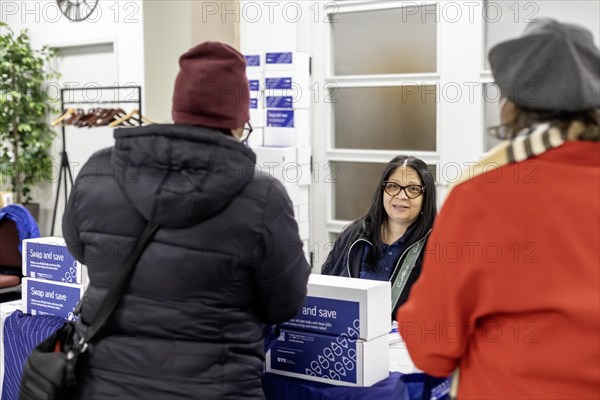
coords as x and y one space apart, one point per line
510 288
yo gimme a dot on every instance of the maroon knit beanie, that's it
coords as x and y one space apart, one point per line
211 88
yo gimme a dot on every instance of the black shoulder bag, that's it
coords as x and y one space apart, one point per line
49 373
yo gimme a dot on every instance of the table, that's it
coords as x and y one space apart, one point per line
23 332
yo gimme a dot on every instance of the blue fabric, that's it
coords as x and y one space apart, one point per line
277 387
26 225
22 333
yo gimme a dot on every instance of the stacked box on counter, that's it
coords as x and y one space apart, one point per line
255 72
54 280
287 99
340 336
291 166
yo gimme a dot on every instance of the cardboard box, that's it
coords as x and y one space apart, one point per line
43 297
336 305
287 128
287 61
337 360
49 258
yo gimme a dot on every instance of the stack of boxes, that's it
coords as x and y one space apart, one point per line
54 280
340 336
280 116
287 100
255 72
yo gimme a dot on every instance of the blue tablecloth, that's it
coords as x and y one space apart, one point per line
23 332
277 387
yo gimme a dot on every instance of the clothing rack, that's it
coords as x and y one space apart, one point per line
65 171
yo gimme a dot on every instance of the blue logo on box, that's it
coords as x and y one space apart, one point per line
322 356
47 298
278 83
254 85
280 118
51 262
280 58
252 61
253 103
280 101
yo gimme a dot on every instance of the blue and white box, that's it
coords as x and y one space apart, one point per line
284 85
42 297
49 258
287 60
287 99
257 113
256 85
276 156
338 360
287 128
337 305
254 62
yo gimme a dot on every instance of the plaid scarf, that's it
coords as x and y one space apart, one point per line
530 142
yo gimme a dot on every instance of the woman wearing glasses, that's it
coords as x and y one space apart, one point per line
387 242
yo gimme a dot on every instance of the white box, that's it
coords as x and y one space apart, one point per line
304 155
337 305
49 258
302 215
257 113
338 360
287 99
298 194
304 230
276 156
290 174
287 80
42 297
293 60
287 128
256 84
254 62
256 138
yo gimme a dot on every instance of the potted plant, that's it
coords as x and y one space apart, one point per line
25 135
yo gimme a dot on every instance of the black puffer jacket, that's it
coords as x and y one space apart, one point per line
226 260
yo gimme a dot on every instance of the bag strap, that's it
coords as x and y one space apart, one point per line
116 291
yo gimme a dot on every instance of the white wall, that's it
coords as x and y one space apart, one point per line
105 49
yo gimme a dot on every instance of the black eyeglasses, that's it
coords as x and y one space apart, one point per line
246 133
411 191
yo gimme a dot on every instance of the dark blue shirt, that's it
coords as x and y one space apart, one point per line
386 263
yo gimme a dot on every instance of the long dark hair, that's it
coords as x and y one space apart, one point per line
376 215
